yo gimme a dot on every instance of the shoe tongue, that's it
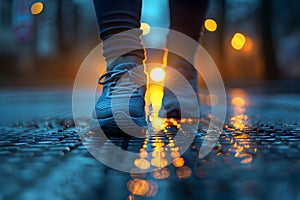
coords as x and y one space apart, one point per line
125 66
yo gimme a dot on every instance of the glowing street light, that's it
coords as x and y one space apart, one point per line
145 28
157 74
210 25
238 41
37 8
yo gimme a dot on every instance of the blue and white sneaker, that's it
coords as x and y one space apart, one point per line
121 106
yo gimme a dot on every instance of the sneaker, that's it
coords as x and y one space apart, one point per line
127 113
170 105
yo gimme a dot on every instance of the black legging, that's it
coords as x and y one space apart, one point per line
116 16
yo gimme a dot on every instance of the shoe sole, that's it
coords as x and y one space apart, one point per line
127 126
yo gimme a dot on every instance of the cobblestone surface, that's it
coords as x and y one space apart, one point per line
257 155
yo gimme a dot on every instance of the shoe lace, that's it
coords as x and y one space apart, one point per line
125 86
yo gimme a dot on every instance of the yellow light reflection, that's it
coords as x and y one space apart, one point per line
174 154
138 187
142 187
238 41
210 25
143 153
145 28
142 163
178 162
238 101
239 121
247 160
175 149
156 94
37 8
157 123
160 154
161 173
159 162
158 143
157 74
183 172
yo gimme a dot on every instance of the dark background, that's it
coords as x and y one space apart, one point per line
47 49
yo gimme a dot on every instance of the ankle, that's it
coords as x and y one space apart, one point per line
124 59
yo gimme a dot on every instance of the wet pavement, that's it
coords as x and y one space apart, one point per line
256 157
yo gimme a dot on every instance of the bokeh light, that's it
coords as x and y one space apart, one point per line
160 173
238 41
142 163
183 172
238 92
155 95
175 154
142 187
178 162
157 74
210 25
138 187
37 8
145 28
238 101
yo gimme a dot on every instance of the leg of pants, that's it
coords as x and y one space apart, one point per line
187 17
114 17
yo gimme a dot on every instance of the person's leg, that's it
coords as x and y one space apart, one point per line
186 17
124 55
114 17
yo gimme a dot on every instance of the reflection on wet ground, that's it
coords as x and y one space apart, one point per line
256 157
